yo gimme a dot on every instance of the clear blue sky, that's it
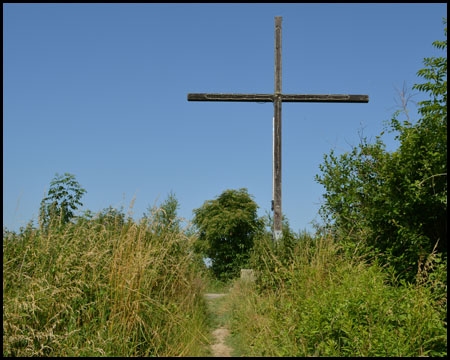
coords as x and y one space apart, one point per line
100 91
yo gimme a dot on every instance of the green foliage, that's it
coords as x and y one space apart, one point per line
436 74
62 199
227 227
396 202
325 303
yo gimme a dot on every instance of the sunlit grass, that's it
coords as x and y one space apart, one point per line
111 286
322 303
102 288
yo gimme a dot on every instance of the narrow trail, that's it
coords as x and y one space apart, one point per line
219 348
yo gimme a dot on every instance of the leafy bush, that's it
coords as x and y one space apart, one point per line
226 230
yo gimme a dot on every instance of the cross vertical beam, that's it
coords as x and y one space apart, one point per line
277 98
277 213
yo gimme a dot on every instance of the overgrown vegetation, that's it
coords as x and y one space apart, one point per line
323 302
102 286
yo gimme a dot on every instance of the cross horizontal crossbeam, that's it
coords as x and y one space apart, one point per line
273 97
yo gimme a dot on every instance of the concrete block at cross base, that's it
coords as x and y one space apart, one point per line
248 275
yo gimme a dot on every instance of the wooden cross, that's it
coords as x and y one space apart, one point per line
277 98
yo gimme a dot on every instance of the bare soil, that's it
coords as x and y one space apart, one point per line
219 348
213 296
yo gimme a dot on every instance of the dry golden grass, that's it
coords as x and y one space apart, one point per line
102 287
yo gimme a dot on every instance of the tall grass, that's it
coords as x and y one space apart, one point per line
110 286
313 300
102 288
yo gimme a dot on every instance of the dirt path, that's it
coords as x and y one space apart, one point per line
219 348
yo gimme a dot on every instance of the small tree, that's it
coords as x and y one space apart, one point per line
227 227
62 200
